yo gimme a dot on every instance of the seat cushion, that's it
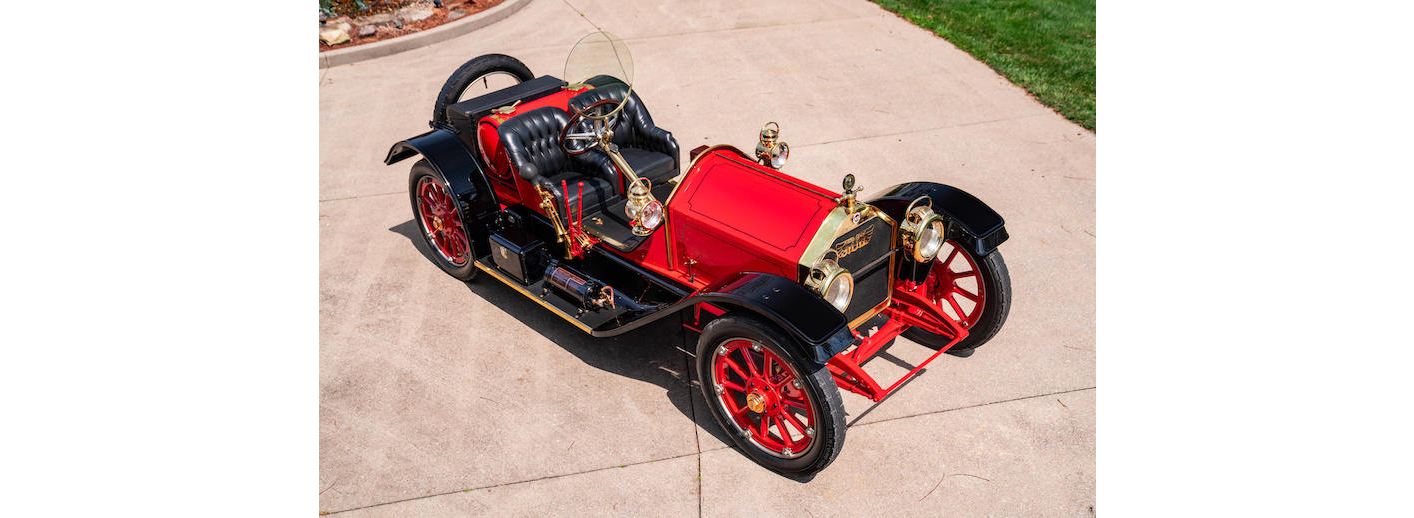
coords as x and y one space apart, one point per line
532 143
597 191
656 167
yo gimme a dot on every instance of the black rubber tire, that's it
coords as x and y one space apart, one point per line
997 283
815 378
471 70
464 272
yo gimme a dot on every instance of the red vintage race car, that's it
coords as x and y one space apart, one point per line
566 190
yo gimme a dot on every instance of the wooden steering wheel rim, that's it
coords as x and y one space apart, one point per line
578 114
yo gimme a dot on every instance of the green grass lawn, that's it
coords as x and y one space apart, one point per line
1044 46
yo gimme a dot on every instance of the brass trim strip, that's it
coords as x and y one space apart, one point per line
823 238
515 285
790 180
683 175
673 259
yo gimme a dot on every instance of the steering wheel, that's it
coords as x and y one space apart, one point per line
592 126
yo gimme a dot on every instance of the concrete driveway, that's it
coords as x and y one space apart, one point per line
444 398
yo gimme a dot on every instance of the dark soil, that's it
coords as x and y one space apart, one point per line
439 17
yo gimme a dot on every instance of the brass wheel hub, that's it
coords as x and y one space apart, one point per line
437 223
756 402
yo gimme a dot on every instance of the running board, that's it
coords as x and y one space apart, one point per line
552 300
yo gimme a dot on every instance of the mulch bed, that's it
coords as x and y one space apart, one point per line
439 17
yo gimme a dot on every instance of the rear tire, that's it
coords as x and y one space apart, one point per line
449 227
803 389
468 73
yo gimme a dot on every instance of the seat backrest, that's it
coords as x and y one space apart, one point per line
532 143
634 119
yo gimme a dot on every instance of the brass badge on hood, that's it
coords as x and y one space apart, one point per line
855 242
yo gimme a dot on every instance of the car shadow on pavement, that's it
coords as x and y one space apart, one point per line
656 353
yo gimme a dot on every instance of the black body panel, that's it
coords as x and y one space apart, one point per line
970 221
821 329
518 254
455 163
859 251
464 115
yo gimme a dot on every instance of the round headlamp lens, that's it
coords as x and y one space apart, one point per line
930 240
651 215
779 153
840 291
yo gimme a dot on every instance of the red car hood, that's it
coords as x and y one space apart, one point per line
731 214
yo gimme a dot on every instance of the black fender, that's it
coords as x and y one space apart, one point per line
820 329
463 173
970 221
818 326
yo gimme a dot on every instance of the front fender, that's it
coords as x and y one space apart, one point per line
815 323
970 221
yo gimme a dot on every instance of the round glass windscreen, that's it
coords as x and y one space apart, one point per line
599 59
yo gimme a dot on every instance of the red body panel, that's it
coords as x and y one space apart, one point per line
732 215
509 187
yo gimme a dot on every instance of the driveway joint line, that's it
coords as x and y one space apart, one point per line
699 453
737 29
696 438
974 406
945 410
692 33
356 196
922 130
507 484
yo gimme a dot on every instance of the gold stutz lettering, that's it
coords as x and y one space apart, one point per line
854 243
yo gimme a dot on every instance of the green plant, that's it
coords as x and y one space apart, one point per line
1044 46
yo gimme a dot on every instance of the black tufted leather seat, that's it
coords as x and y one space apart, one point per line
651 151
532 143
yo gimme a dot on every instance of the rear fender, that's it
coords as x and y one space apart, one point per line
820 329
462 172
970 222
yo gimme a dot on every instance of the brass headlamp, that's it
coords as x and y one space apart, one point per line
831 281
922 230
639 198
769 151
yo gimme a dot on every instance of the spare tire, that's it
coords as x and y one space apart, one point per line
471 72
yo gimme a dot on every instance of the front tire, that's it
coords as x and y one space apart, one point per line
976 292
439 220
781 409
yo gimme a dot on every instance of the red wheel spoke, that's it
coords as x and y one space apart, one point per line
794 403
795 422
961 315
459 239
750 364
951 255
942 283
787 378
785 434
437 212
736 368
766 366
763 428
732 385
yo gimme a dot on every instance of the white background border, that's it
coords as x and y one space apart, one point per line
160 268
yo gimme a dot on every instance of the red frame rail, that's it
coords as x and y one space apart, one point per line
907 310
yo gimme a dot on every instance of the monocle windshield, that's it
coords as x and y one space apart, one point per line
599 59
